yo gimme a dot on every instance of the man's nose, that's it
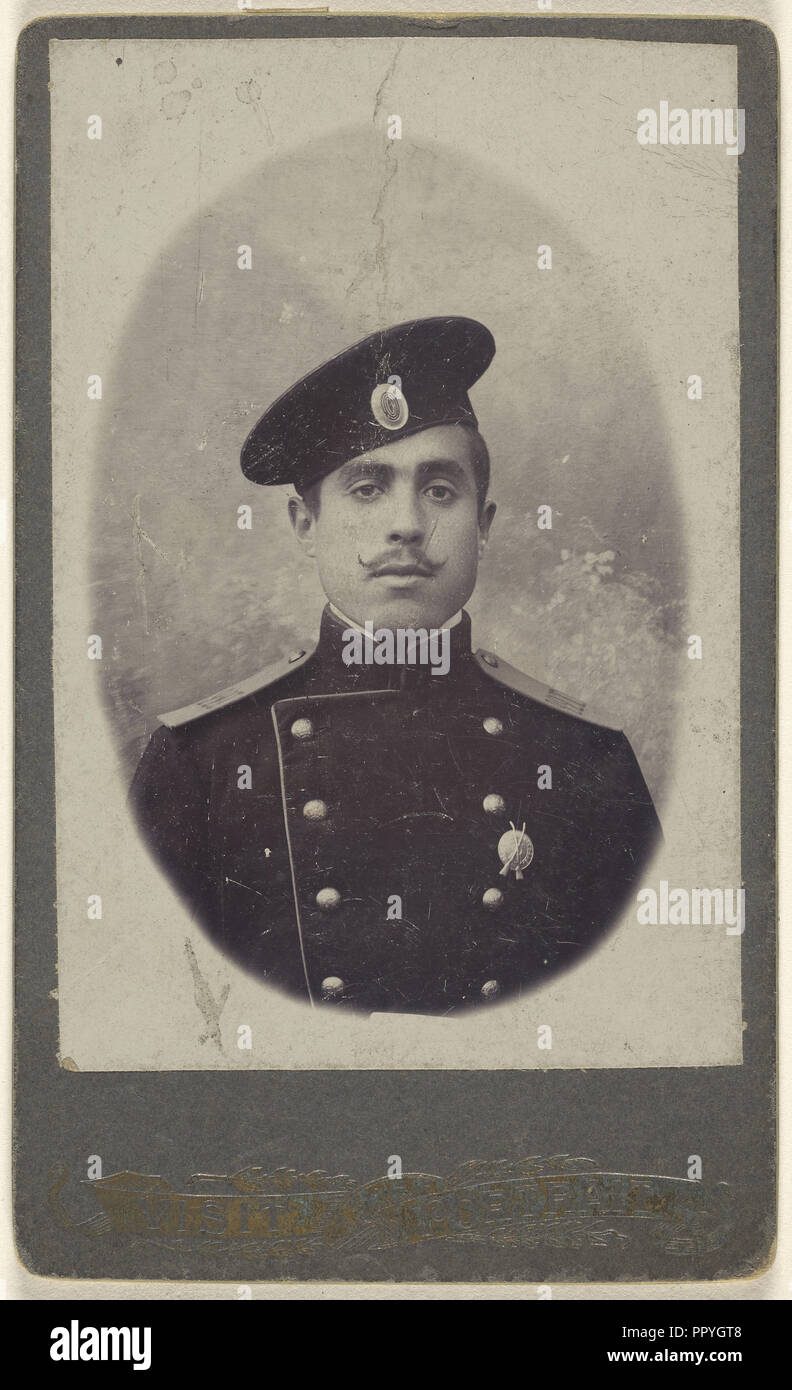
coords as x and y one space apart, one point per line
406 524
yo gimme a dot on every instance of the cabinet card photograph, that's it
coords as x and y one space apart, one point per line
405 412
398 505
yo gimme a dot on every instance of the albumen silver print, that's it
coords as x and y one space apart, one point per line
430 317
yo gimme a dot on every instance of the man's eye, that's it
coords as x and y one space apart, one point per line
440 492
366 490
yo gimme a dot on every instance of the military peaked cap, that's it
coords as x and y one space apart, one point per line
394 383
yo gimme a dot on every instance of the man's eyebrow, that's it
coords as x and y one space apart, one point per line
363 468
450 468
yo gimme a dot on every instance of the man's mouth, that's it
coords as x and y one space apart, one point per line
406 569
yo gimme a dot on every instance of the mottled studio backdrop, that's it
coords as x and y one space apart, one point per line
282 146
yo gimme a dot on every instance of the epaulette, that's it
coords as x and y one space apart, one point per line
500 670
268 676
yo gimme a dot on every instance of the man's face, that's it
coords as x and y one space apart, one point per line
398 535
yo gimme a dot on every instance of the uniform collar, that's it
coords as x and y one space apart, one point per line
371 676
350 622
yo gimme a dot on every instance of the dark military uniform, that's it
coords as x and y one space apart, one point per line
361 866
381 837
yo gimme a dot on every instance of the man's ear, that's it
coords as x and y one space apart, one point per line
485 521
303 524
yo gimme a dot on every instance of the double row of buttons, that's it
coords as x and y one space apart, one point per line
328 899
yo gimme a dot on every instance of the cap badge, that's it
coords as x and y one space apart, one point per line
515 851
388 405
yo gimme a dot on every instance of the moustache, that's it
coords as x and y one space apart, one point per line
400 564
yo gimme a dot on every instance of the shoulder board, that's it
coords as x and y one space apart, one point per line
268 676
500 670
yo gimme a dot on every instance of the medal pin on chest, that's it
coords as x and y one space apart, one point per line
515 851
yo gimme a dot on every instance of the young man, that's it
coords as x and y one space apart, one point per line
361 828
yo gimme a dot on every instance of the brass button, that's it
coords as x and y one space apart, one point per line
489 658
494 805
490 990
315 810
294 656
328 899
302 728
332 986
493 726
492 898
